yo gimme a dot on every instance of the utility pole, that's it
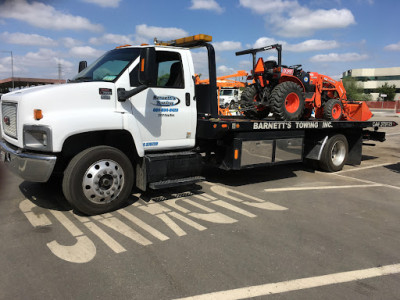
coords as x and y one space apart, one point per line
59 71
12 67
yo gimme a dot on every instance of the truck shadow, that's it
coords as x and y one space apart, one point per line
394 168
46 195
367 157
49 195
255 175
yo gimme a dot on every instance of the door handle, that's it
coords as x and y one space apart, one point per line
187 96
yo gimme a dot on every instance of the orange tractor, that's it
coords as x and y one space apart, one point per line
292 94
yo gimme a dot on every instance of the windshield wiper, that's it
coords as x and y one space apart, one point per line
82 79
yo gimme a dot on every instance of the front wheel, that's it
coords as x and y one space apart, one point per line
334 154
98 180
287 101
333 110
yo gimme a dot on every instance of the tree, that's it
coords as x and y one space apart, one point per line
163 79
354 91
389 90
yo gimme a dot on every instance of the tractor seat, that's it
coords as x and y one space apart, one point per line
269 66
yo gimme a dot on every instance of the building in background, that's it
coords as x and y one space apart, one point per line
7 84
371 79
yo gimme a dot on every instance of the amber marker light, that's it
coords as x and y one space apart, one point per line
236 154
122 46
142 65
37 114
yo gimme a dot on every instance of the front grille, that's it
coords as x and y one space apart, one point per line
9 118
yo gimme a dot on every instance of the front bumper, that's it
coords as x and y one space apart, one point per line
29 166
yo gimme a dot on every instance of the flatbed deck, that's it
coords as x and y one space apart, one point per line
214 128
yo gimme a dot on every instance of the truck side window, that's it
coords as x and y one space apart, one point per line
170 71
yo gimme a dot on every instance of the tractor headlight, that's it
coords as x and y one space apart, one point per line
37 138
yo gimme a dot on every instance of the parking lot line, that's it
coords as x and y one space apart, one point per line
367 181
299 284
329 187
367 167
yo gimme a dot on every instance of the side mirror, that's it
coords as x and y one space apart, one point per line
82 65
148 67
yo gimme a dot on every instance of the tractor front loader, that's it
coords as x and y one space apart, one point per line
292 94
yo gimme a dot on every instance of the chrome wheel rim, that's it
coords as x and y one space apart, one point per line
338 153
103 181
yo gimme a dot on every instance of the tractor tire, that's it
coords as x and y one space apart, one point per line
98 180
333 110
287 101
250 104
334 154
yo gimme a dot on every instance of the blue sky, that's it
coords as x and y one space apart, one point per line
324 36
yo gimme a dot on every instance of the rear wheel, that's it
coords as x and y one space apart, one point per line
98 180
287 101
333 110
251 104
334 154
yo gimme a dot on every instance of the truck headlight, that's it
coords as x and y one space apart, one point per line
37 138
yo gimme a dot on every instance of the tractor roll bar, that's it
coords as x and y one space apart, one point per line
253 52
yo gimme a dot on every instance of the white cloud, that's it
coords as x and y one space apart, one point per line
42 64
291 19
104 3
227 46
38 58
44 58
268 7
393 47
306 46
362 2
312 45
305 22
69 42
272 57
20 38
110 38
150 32
266 41
336 57
245 64
4 69
207 5
200 61
44 16
224 70
85 52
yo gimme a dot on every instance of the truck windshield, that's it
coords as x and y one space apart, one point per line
109 66
226 92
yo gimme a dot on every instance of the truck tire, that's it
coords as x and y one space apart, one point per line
287 101
98 180
250 103
334 154
333 110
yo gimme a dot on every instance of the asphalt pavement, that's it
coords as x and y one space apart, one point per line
285 232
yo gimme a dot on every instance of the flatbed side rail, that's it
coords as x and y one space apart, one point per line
216 127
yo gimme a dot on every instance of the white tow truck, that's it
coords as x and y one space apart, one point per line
135 117
229 97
